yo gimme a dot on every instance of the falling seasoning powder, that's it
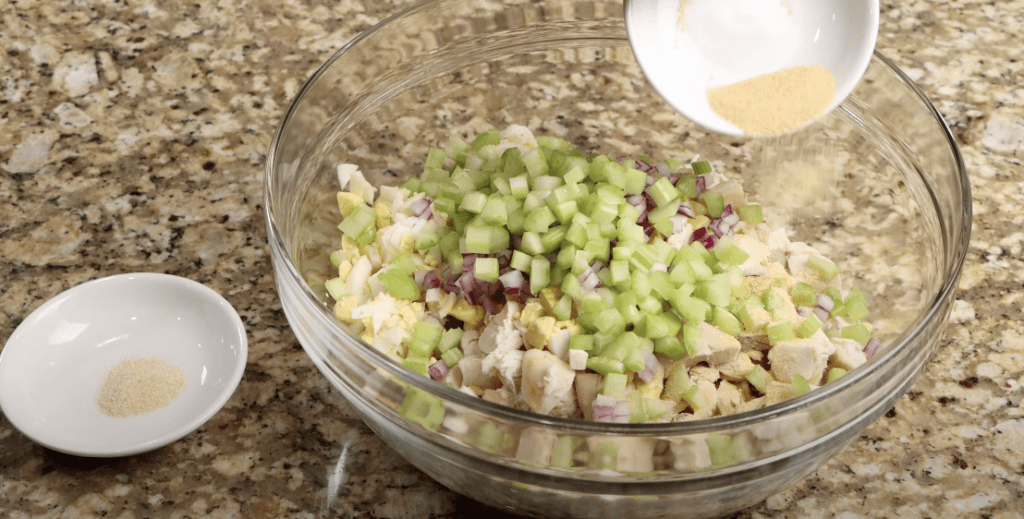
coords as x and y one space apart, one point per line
775 103
139 385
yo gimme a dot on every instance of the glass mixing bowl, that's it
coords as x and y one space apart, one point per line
878 186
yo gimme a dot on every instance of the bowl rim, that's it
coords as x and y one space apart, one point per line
715 424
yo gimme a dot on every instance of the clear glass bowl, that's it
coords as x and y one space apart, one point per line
878 185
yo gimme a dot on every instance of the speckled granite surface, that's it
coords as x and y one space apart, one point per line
132 138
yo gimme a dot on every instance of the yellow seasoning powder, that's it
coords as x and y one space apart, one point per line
775 103
139 385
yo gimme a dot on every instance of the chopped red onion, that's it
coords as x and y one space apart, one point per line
438 370
702 183
664 170
686 210
421 208
872 347
650 366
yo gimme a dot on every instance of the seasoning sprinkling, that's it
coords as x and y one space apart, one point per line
139 385
775 103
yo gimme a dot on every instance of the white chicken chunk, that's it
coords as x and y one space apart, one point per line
715 346
848 353
547 381
757 263
805 357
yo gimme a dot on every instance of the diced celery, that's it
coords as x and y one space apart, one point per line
858 332
450 339
400 284
726 321
583 342
670 346
724 450
751 214
490 137
780 332
614 384
834 374
481 239
418 364
539 219
605 366
563 308
823 267
691 335
540 274
759 378
452 356
715 203
729 253
337 288
803 294
521 261
809 325
800 385
701 167
486 269
422 408
695 397
662 192
358 222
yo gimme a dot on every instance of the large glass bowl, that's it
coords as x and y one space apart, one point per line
878 185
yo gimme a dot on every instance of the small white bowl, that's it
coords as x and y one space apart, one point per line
54 363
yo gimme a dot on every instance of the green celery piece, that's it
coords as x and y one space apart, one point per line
540 274
605 366
800 385
824 267
337 288
337 257
360 220
726 321
422 408
858 332
701 167
725 450
780 332
676 383
729 253
490 137
809 325
583 342
751 214
450 339
539 219
614 384
452 356
669 346
563 308
494 212
663 192
759 378
486 269
834 374
803 294
417 364
482 239
695 397
400 284
473 202
691 334
715 203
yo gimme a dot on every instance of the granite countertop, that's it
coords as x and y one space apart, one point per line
132 138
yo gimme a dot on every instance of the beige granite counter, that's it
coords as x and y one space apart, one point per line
132 138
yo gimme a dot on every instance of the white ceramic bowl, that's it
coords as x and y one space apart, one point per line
54 363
